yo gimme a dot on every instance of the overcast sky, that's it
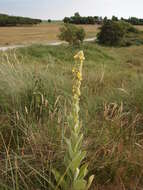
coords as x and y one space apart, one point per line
58 9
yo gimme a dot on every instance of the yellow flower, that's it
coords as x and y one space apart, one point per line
73 70
79 76
78 92
74 89
80 55
75 96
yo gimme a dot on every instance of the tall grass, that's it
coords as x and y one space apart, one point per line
36 97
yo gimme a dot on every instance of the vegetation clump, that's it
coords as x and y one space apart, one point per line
118 33
77 19
34 106
72 34
111 33
6 20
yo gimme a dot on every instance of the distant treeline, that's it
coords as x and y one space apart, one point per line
77 19
134 20
6 20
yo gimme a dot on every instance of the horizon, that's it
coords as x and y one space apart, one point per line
56 10
68 16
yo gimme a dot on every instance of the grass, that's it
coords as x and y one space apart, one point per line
43 33
139 27
35 99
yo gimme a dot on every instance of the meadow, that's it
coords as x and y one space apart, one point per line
42 33
35 100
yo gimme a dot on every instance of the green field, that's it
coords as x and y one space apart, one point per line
35 100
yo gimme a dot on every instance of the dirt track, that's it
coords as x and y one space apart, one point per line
4 48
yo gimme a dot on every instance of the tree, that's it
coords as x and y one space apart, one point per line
6 20
77 19
67 20
49 20
114 18
105 19
134 21
77 14
72 34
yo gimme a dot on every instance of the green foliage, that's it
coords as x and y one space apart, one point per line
116 33
111 108
114 18
77 19
77 14
135 21
128 27
112 33
6 20
49 20
72 34
74 176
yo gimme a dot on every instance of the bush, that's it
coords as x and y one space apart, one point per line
49 20
128 27
118 33
72 34
112 33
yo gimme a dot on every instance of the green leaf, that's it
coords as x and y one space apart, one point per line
78 142
58 176
83 171
76 174
69 148
79 185
77 160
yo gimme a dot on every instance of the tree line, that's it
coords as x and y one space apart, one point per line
134 20
77 19
6 20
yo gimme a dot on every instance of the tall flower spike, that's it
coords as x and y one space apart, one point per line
80 56
74 144
76 170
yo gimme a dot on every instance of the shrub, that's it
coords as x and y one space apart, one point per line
114 18
49 20
115 33
72 34
128 27
112 33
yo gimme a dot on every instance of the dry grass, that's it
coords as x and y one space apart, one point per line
140 27
111 110
42 33
91 30
36 34
28 34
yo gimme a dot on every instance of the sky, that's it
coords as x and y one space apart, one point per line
58 9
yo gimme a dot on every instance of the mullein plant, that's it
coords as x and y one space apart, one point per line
76 169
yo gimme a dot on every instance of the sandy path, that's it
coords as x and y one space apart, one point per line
5 48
